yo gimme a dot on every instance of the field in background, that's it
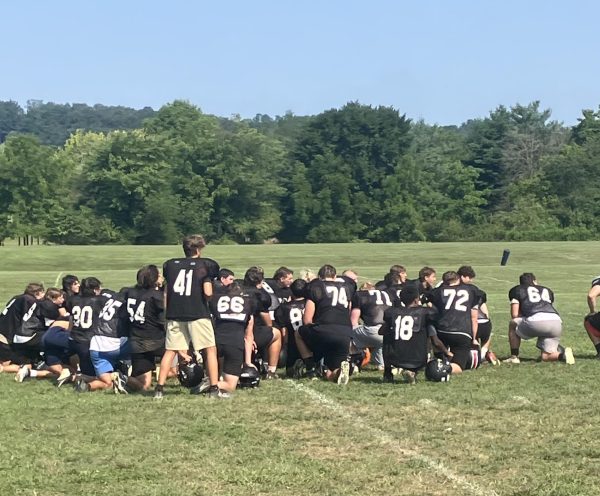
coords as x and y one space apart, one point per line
520 429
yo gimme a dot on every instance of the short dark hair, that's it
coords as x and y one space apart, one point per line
33 287
397 269
298 288
327 271
282 272
226 273
426 272
253 276
147 276
68 281
466 271
53 293
89 285
409 294
450 277
192 244
527 279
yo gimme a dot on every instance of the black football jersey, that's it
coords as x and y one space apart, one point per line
184 279
281 292
454 305
231 313
146 318
38 318
405 336
113 321
289 315
394 292
262 302
332 301
532 299
11 318
372 304
85 313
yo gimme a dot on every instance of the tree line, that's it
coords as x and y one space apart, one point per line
74 174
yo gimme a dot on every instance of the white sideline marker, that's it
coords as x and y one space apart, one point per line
57 279
391 443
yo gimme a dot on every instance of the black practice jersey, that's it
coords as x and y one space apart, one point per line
262 302
11 317
184 279
332 301
38 318
532 299
405 336
99 315
281 293
454 305
372 304
146 318
231 313
289 314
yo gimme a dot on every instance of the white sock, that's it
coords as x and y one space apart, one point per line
33 373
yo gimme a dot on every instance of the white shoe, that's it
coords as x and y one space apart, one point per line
512 359
569 358
22 373
64 377
344 376
119 381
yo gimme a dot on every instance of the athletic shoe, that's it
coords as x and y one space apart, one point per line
158 394
409 376
491 357
64 377
344 376
396 371
299 369
271 375
512 359
224 395
119 381
569 358
388 378
22 373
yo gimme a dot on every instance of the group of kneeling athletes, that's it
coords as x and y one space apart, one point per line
216 333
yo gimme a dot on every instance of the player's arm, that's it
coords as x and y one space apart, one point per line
515 309
354 316
249 341
592 296
438 345
309 312
207 287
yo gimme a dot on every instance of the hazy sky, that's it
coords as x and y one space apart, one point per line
445 61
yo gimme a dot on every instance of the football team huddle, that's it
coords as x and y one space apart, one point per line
196 322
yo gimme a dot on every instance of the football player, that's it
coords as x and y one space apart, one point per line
406 332
11 319
456 322
368 306
327 326
484 324
232 311
188 286
396 275
534 316
592 320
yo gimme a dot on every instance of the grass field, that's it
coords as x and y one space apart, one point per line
523 429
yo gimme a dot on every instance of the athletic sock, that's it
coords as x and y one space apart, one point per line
272 369
514 352
33 373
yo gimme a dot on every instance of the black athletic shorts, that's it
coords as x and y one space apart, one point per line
292 353
330 342
233 359
466 358
263 335
484 331
145 362
594 321
28 353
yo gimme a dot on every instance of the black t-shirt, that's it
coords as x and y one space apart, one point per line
454 305
405 336
184 279
372 304
146 318
332 301
113 321
532 299
231 310
281 293
289 315
85 312
11 317
261 303
38 318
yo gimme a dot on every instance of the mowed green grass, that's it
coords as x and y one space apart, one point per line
513 429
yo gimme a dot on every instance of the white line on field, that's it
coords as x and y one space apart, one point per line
499 280
389 441
57 279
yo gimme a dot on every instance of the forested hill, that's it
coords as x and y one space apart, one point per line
77 174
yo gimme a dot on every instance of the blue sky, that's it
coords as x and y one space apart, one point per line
442 61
